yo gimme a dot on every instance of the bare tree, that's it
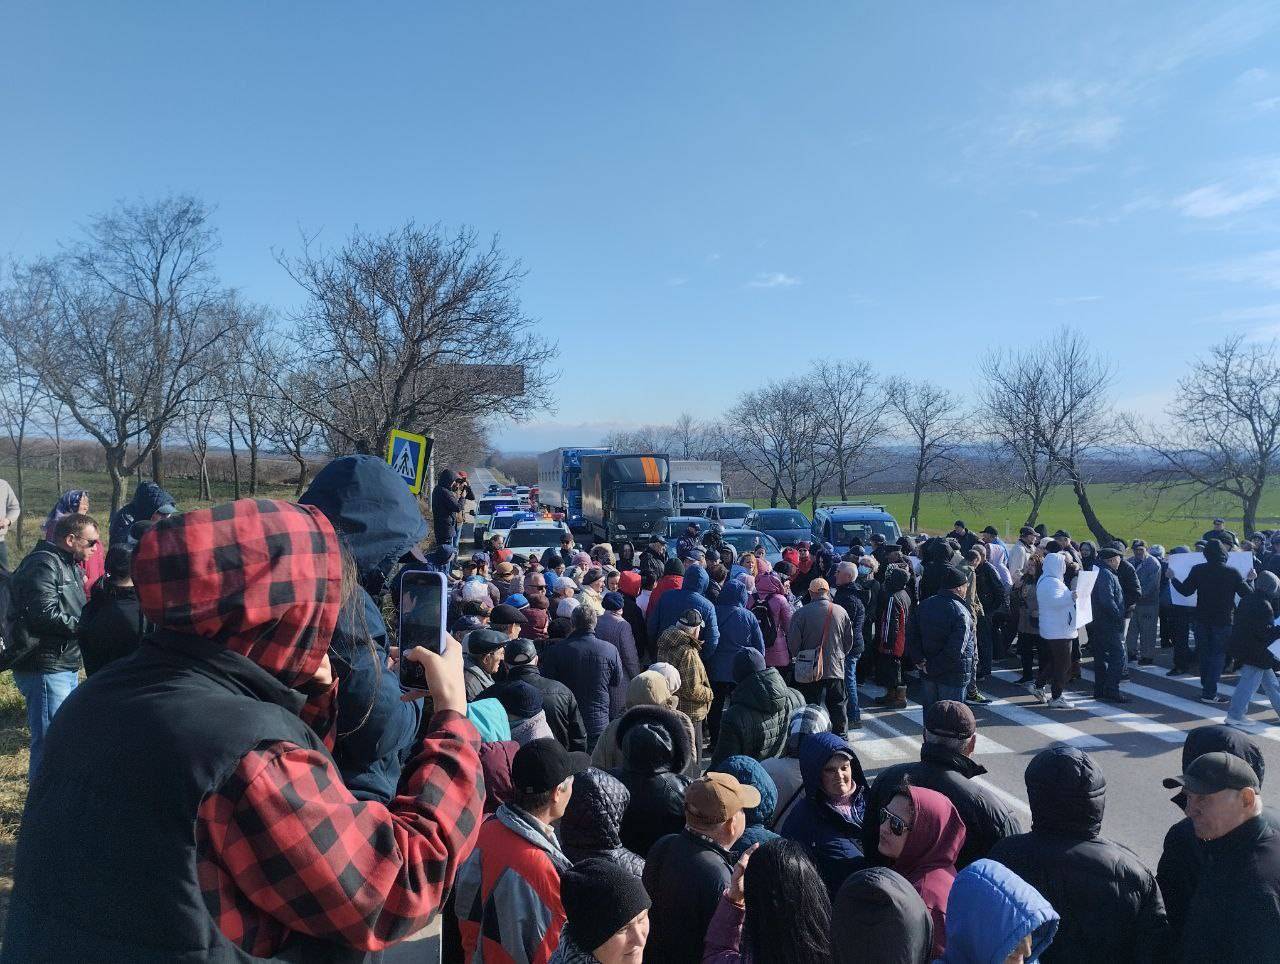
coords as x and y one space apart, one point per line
1005 420
930 419
409 329
197 425
290 428
1223 433
1061 388
53 419
854 406
773 436
22 390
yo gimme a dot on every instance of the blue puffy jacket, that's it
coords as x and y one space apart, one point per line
940 633
592 669
378 520
990 910
832 839
739 630
1108 600
690 595
747 770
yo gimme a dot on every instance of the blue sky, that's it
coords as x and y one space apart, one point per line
705 195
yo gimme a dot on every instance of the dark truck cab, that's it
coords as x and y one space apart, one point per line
626 496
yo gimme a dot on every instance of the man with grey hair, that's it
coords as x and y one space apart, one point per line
592 669
1140 638
947 766
822 627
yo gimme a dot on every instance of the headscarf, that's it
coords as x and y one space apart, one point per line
68 503
261 577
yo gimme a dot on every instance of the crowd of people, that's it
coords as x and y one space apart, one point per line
622 754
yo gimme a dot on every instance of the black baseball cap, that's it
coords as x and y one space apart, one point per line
504 615
1214 772
520 651
542 765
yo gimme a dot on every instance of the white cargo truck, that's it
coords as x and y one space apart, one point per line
696 484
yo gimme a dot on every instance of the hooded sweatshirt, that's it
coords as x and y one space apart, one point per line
691 595
148 499
649 688
769 592
739 630
832 838
1053 597
928 859
377 520
990 910
1214 584
878 918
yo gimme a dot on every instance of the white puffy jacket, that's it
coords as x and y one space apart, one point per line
1055 599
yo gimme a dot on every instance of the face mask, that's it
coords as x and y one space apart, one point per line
864 570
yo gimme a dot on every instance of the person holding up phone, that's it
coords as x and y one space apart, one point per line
253 843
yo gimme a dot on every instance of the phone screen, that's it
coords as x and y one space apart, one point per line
422 614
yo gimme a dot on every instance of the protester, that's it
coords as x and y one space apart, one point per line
1056 615
1141 640
520 663
687 872
848 598
785 770
523 705
655 753
773 613
446 506
1253 630
650 688
1215 586
739 632
69 503
111 624
1224 536
1106 632
827 819
947 766
681 646
1234 912
819 639
940 639
747 926
1109 901
10 509
607 915
485 650
755 722
508 580
592 823
674 603
750 773
227 651
508 893
996 917
150 503
592 669
878 918
613 628
47 600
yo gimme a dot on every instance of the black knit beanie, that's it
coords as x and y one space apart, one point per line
600 898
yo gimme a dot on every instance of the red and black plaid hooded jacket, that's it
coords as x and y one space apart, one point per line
264 578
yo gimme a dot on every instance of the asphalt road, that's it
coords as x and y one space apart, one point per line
1136 745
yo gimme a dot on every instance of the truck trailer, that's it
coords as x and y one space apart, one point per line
559 482
626 495
696 484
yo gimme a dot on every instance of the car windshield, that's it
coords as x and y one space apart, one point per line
731 512
504 520
747 541
676 527
644 499
701 491
519 538
863 529
783 520
490 506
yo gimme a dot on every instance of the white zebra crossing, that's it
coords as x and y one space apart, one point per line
1115 714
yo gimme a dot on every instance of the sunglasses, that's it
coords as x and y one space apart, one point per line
897 826
89 543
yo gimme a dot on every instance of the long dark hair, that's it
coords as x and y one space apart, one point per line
788 918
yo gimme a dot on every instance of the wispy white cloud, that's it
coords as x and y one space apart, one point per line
1256 184
1076 300
773 279
1256 313
1261 269
677 281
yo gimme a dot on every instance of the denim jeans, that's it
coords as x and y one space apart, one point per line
44 693
931 692
1211 644
1250 678
851 684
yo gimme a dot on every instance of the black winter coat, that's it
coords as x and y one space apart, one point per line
986 818
1109 901
592 822
685 876
940 635
558 702
992 593
848 597
111 626
872 595
1130 585
445 504
656 749
1182 862
1253 631
1216 586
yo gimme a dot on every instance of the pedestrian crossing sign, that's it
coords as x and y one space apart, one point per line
407 455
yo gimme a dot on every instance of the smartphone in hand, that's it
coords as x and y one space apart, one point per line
423 605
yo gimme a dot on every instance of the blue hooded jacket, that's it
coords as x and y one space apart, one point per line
739 630
832 839
148 499
747 770
691 595
990 910
377 519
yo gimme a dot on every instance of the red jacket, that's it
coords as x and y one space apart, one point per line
663 584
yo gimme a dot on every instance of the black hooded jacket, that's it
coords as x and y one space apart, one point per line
1215 585
878 918
1183 861
986 818
655 750
592 822
148 499
558 702
1110 904
445 504
1254 628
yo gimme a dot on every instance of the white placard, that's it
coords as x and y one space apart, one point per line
1083 586
1181 563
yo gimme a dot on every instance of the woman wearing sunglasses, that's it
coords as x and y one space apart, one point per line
921 834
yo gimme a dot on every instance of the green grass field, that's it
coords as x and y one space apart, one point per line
1129 510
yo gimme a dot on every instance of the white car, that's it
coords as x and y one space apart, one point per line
502 522
534 537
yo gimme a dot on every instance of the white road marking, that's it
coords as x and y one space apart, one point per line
1116 714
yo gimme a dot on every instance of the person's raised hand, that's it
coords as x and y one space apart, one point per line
444 675
735 893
